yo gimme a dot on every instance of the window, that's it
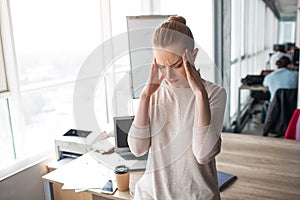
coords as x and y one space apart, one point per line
52 39
199 18
3 83
6 140
116 81
251 42
287 32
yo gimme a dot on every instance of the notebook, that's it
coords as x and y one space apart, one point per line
225 179
121 129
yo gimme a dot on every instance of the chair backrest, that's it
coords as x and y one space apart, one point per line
298 129
280 111
292 129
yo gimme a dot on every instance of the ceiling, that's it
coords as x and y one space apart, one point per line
287 8
284 10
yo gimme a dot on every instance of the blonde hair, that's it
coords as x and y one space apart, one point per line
174 32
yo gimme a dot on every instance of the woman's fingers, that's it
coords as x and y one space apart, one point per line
154 61
195 53
154 71
186 64
161 78
189 56
191 71
190 68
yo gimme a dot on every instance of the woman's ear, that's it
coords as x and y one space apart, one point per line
194 54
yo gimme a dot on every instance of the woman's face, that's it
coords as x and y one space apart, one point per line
171 66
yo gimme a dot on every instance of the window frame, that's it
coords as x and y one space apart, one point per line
3 74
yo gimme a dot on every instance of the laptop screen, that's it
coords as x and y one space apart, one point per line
122 126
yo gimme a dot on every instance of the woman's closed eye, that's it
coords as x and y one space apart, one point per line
161 66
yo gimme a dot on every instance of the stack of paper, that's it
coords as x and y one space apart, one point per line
86 173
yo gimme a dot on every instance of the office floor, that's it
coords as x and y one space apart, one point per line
253 125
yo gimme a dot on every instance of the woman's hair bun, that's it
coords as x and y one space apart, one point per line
177 19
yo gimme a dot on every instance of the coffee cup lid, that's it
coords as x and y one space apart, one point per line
121 169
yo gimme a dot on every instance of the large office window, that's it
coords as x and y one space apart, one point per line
253 33
287 32
6 137
3 81
115 83
52 39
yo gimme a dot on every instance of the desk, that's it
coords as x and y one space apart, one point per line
245 87
267 168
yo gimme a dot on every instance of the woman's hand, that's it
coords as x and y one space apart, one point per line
153 82
193 76
197 85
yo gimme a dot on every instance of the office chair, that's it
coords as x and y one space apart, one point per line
293 132
280 112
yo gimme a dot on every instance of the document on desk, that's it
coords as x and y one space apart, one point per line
88 174
104 146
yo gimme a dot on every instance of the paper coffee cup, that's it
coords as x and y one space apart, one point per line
122 177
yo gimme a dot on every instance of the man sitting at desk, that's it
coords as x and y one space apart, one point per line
282 77
279 52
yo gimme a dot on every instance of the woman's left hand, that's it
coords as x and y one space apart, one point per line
193 76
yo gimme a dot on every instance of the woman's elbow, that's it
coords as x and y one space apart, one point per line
208 157
138 147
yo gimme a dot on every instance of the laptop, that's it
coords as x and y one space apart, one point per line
121 130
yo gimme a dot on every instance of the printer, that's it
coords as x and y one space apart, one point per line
75 143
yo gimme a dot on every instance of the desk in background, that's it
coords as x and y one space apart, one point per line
239 123
267 168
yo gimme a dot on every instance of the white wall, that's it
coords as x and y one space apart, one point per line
26 185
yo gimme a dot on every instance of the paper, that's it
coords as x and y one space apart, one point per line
94 137
87 174
104 146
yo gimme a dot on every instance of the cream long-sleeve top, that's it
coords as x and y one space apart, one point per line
181 162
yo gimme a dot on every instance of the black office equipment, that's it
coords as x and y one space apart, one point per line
225 179
253 80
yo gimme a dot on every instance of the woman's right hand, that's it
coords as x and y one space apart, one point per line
153 82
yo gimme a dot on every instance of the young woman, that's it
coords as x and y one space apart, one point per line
179 120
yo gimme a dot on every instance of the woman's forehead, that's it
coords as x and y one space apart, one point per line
167 53
177 49
166 57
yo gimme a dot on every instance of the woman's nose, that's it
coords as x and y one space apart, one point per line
170 73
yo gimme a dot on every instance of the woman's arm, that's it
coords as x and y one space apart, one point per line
209 113
142 116
206 140
197 85
139 134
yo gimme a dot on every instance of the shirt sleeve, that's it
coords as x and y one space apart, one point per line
206 140
266 81
139 140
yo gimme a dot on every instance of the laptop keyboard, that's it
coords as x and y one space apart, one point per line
132 157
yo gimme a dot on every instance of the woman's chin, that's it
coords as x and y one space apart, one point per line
179 84
173 81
